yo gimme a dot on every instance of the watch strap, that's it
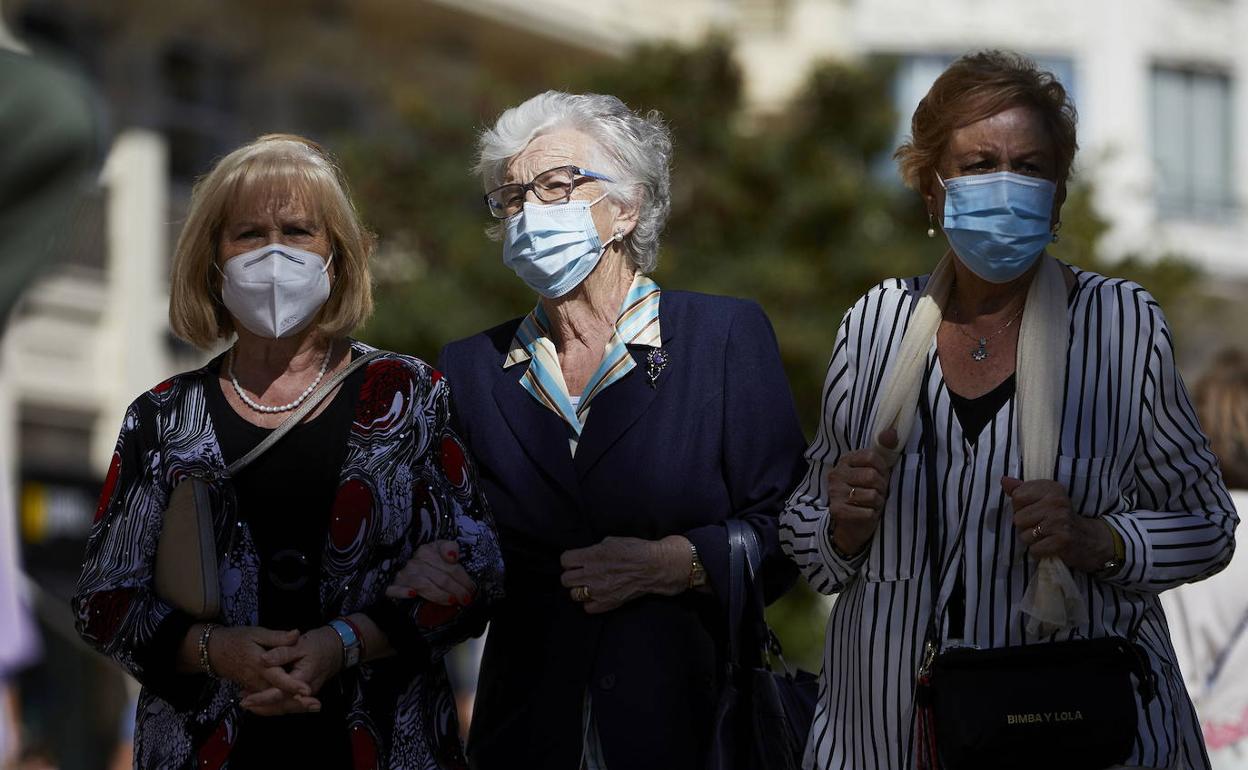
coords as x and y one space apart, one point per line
351 642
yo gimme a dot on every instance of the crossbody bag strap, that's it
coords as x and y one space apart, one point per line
303 411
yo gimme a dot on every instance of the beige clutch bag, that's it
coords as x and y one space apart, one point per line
186 553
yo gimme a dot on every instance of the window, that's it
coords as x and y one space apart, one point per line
198 113
1191 134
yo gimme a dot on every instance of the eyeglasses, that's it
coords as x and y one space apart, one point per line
551 186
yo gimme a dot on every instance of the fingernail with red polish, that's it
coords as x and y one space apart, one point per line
411 593
466 599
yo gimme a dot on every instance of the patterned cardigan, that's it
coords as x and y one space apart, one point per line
406 480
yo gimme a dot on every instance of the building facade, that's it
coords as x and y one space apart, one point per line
1159 84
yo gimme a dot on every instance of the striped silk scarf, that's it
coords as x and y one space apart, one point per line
1052 601
637 324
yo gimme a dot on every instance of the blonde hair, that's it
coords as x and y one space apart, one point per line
1222 405
274 165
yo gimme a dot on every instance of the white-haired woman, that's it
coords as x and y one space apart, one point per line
309 664
616 428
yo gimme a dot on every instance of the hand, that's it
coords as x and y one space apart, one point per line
434 574
1048 525
313 659
237 653
620 569
857 490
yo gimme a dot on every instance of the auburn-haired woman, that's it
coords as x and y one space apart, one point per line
1007 456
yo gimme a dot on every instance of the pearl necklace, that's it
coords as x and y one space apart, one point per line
285 407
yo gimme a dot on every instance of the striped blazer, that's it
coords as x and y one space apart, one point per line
1131 452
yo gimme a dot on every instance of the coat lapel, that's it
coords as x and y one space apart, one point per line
540 432
618 407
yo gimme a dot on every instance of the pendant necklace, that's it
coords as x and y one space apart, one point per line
980 351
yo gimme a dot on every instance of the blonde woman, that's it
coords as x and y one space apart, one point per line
310 663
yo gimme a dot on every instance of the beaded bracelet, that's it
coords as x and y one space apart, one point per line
204 636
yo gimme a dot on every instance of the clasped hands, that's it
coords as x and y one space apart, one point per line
617 570
280 672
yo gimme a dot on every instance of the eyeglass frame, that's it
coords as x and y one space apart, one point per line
530 185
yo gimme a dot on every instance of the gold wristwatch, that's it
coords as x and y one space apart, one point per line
697 573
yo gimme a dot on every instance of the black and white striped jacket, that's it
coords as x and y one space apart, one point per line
1131 452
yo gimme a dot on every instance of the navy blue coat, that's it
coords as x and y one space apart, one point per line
717 436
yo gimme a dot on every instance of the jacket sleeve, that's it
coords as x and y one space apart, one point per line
115 606
1184 527
452 497
761 454
805 533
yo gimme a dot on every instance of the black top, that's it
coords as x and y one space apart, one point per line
285 497
975 413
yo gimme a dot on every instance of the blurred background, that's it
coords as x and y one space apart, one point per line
784 112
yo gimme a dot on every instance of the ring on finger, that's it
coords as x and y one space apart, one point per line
1036 532
580 594
852 490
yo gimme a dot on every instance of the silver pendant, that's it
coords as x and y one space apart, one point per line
981 352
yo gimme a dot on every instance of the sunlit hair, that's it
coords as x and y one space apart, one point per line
978 86
269 171
1222 404
634 150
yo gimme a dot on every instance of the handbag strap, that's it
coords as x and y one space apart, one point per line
736 587
303 411
743 565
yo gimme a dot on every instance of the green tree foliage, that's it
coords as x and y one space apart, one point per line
798 211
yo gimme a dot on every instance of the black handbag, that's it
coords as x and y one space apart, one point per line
1068 704
763 716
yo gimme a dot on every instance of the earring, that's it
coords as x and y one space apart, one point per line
619 235
1056 226
931 225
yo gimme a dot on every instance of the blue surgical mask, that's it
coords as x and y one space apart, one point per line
998 224
553 247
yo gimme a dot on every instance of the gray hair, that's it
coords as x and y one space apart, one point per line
634 150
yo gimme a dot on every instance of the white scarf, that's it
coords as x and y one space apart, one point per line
1052 601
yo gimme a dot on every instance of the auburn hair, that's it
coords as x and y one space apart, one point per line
978 86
